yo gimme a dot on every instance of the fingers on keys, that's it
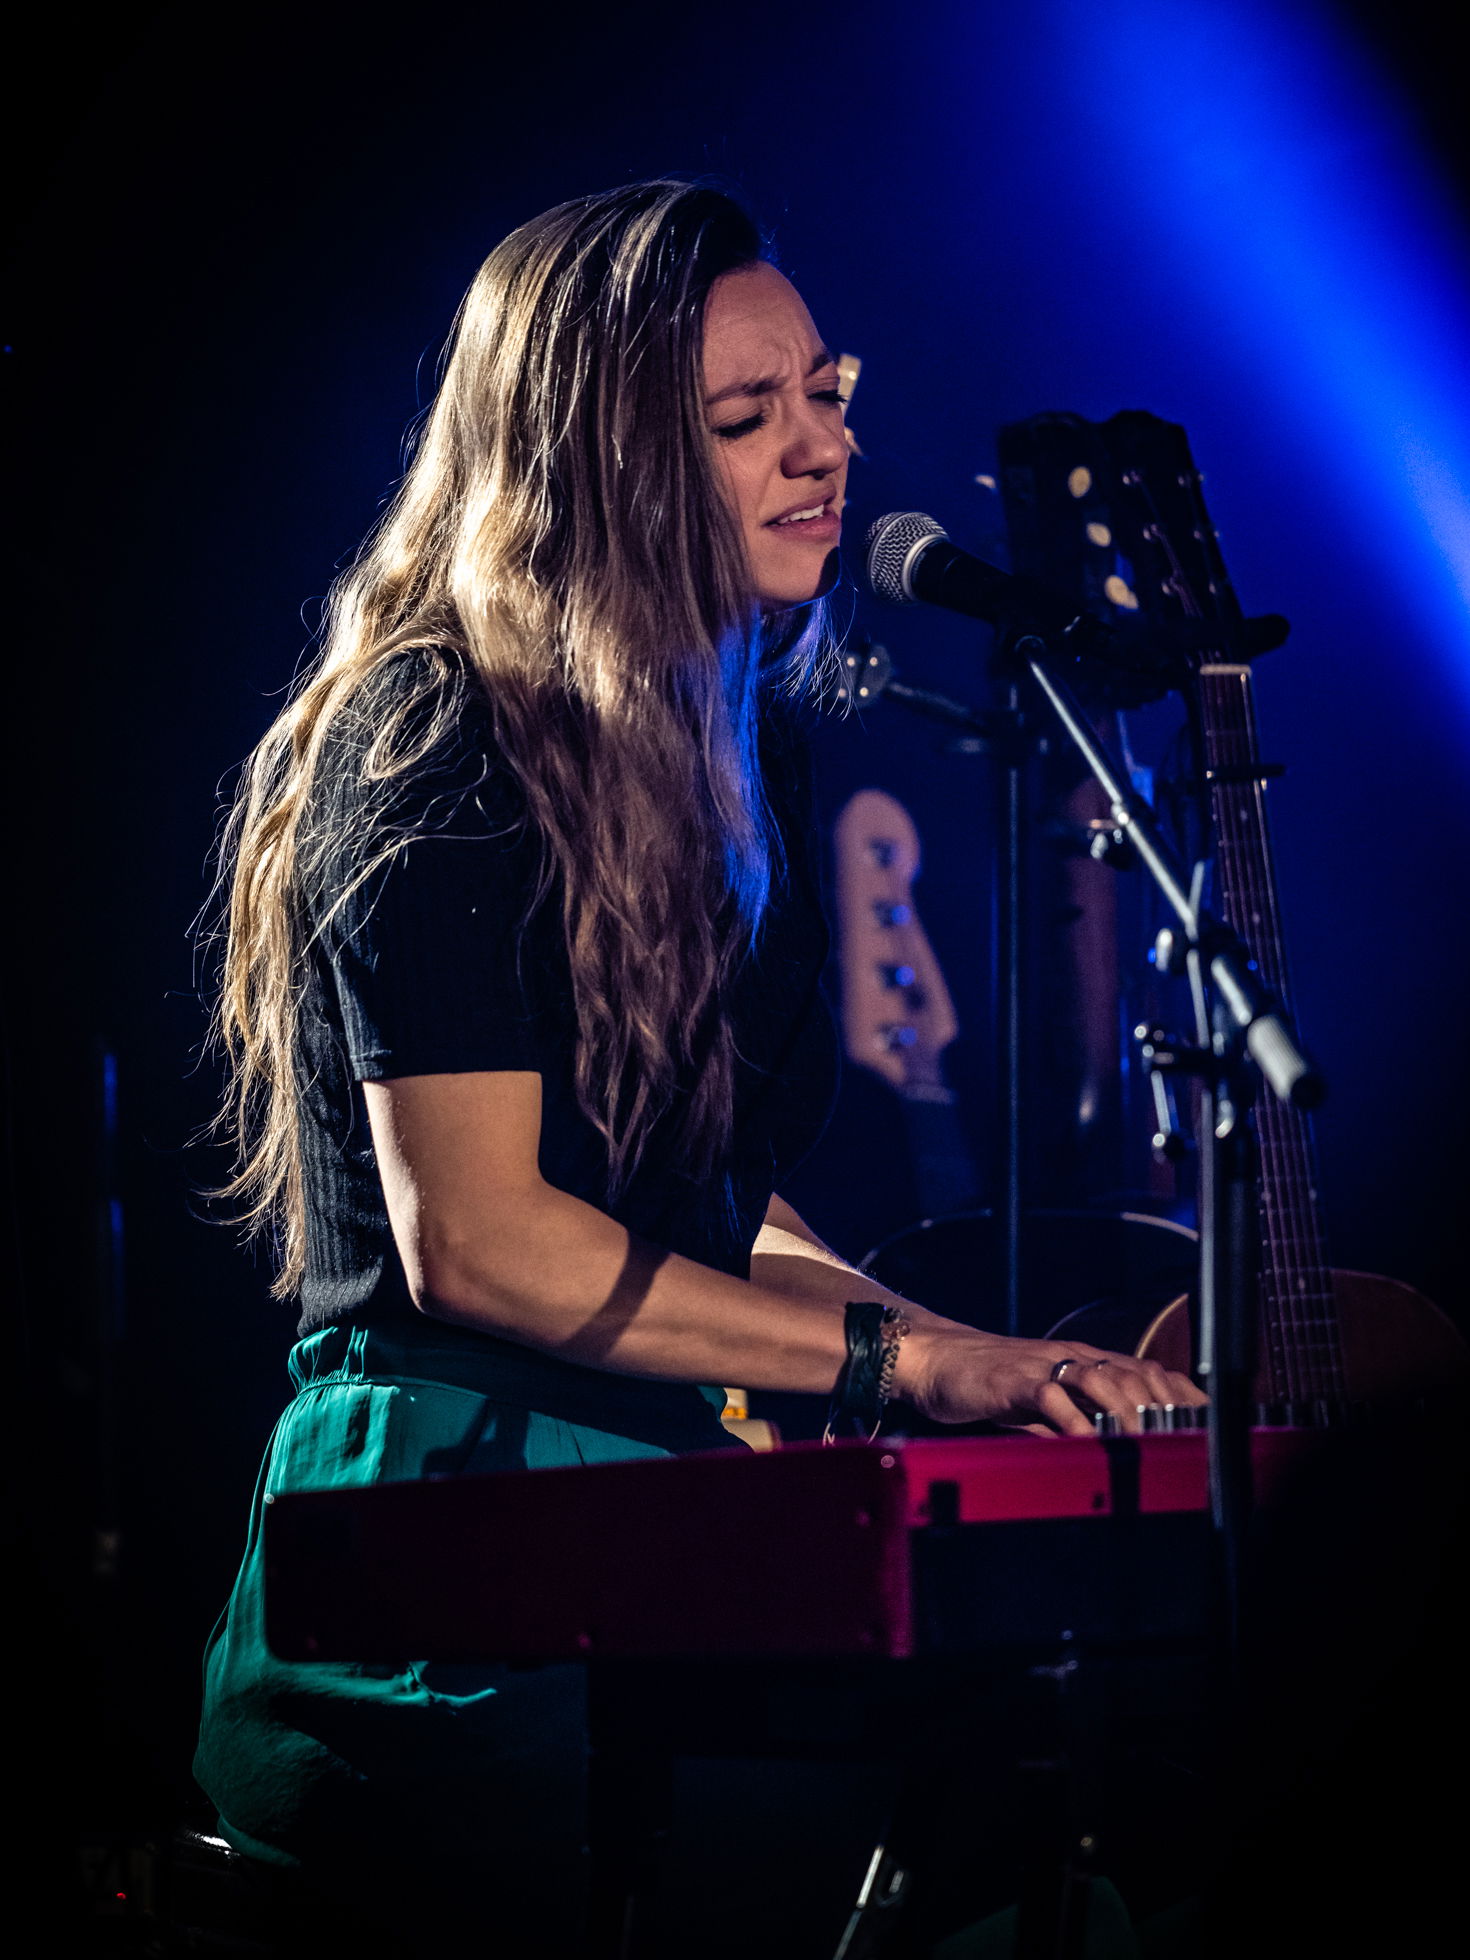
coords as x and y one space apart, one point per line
1122 1386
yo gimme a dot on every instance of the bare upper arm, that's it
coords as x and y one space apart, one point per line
459 1159
454 1153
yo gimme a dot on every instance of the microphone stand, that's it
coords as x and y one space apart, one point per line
1240 1033
1237 1021
1012 921
1002 733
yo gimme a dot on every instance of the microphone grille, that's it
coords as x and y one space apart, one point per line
891 548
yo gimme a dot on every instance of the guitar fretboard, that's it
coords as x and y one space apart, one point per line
1303 1348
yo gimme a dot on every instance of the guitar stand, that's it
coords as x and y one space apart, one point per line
1056 1811
1026 1843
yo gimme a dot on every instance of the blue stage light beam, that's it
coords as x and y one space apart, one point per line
1290 187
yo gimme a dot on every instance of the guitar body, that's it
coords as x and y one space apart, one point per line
1396 1344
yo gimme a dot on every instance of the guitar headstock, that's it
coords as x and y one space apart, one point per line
1113 514
897 1014
1163 523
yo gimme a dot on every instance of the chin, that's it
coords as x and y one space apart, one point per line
789 600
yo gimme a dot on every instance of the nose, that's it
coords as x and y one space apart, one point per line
817 445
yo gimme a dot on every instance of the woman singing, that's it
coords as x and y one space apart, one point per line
521 992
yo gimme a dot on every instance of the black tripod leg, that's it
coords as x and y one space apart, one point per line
874 1917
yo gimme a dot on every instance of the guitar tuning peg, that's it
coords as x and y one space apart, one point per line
1162 1058
888 913
866 671
897 976
1167 952
894 1036
1111 845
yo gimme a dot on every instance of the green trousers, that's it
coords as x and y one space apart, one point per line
437 1797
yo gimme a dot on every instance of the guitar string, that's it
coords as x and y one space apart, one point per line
1303 1317
1223 745
1320 1369
1244 900
1215 704
1294 1268
1305 1351
1243 908
1288 1364
1312 1303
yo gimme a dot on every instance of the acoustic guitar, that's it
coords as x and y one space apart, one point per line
1327 1337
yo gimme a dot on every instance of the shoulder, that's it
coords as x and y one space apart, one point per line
412 751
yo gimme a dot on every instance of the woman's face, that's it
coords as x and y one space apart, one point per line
775 417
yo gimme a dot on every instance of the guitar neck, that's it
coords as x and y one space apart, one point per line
944 1173
1303 1348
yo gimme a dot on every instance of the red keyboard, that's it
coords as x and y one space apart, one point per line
890 1549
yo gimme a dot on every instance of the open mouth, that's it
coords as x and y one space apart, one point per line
819 517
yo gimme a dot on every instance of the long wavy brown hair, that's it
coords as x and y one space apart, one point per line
561 534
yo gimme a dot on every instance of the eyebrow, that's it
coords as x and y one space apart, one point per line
768 384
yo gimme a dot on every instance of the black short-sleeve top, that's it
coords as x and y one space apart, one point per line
441 961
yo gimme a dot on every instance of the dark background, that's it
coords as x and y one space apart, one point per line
238 252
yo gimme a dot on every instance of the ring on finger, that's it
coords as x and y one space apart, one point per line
1060 1368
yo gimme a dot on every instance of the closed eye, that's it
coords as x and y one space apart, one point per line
732 431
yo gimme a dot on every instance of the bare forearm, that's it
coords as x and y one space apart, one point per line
571 1280
795 1264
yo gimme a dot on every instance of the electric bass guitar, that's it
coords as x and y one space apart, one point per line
898 1019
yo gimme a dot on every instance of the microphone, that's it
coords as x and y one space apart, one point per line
912 560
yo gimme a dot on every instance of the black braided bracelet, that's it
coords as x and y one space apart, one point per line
865 1382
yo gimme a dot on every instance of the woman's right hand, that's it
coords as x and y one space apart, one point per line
960 1374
